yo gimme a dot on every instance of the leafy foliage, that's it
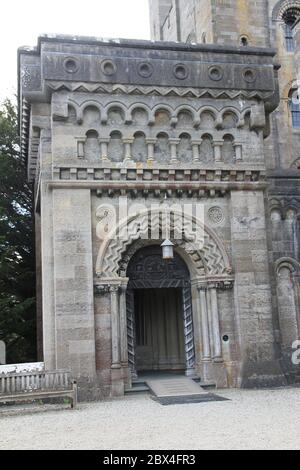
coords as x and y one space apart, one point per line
17 264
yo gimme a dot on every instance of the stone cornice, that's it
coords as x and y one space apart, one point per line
159 189
156 177
144 44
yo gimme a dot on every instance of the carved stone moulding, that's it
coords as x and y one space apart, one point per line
222 284
117 89
148 175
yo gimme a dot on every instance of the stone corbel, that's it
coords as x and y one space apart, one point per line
104 117
257 116
174 121
219 121
196 122
60 109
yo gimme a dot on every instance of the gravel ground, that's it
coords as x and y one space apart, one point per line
263 419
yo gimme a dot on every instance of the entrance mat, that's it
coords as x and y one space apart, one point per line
187 399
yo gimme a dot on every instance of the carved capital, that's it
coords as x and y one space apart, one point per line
222 285
114 289
101 289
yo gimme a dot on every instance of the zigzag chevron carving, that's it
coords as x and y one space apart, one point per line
211 256
83 87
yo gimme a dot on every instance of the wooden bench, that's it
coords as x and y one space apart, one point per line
31 386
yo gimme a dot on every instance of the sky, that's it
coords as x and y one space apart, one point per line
23 21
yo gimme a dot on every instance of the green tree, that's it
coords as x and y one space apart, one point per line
17 264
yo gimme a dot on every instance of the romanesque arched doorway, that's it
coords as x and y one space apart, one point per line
159 313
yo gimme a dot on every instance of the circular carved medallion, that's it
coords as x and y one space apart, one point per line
249 75
216 215
181 71
215 73
145 70
108 67
71 65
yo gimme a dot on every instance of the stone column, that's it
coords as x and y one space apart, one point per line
123 333
238 151
174 143
117 380
150 144
206 355
196 150
214 310
104 149
217 145
131 333
128 142
188 331
123 326
80 148
115 327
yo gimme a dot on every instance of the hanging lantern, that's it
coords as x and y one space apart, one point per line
167 249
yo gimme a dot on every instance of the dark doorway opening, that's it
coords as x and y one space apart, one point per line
160 332
159 329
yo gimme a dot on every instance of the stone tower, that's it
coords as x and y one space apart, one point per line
244 24
121 137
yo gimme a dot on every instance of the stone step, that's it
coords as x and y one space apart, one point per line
175 387
137 389
140 386
205 385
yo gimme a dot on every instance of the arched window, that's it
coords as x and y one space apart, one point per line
289 40
289 18
294 105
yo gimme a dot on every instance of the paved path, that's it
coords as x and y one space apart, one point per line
251 420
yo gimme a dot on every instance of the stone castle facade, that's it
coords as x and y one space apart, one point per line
207 116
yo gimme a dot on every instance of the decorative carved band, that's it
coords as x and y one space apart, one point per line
115 89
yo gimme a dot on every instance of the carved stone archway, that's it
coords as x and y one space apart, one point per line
208 265
207 252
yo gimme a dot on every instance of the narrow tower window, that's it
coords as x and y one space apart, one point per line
289 40
289 18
